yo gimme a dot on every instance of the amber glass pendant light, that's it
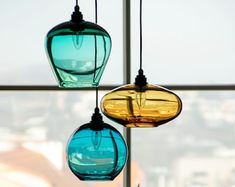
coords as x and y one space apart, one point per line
141 104
71 47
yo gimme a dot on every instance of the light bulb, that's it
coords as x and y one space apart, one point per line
140 99
77 40
96 139
136 99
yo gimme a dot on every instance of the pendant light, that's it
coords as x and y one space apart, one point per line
71 47
141 104
96 150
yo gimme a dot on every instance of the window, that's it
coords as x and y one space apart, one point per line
195 150
24 27
185 42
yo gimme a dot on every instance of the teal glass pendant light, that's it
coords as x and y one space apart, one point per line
96 151
72 48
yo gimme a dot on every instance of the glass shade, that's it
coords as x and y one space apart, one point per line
78 53
147 106
96 152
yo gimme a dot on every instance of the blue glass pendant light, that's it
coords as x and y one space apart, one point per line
71 47
96 151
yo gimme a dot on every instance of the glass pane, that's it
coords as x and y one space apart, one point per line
24 25
185 42
194 150
35 128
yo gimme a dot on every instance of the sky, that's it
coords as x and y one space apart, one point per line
184 42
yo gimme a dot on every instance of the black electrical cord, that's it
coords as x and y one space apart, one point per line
140 79
97 117
141 35
96 18
96 11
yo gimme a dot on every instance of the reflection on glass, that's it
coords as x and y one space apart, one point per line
96 154
78 53
149 106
